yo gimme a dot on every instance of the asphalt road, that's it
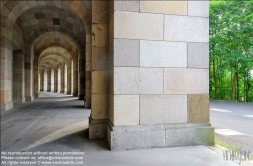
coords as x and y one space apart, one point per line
233 122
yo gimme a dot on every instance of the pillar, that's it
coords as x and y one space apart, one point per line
159 93
56 80
18 77
6 71
75 75
87 101
62 78
36 75
42 80
68 79
49 80
28 76
99 71
81 75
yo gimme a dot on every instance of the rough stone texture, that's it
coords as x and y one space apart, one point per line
136 139
186 81
99 105
97 131
127 5
126 52
198 108
189 136
100 82
184 28
198 8
130 80
133 25
99 58
100 35
162 109
166 7
198 55
126 110
163 54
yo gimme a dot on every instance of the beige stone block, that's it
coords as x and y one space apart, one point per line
198 8
100 82
197 108
185 28
133 25
99 106
100 36
186 81
88 66
166 7
162 109
99 58
100 11
126 110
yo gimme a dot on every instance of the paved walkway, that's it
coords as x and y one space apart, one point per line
59 123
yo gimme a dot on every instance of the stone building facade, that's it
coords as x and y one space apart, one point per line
141 66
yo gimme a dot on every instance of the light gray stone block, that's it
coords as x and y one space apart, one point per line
198 8
186 81
162 109
189 136
136 139
133 5
126 110
130 80
163 54
134 25
126 52
185 28
198 55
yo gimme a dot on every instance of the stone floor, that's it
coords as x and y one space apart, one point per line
59 123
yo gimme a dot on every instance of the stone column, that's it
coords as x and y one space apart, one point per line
42 80
6 71
49 80
18 77
69 79
36 76
28 76
75 76
56 80
159 95
100 74
87 101
62 78
81 75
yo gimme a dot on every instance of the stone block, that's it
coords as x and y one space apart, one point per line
186 81
197 108
127 5
136 139
163 54
100 11
130 80
100 35
133 25
162 109
166 7
99 58
126 110
99 106
100 82
126 52
189 136
198 55
184 28
97 131
198 8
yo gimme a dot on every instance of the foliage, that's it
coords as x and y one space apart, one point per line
231 50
